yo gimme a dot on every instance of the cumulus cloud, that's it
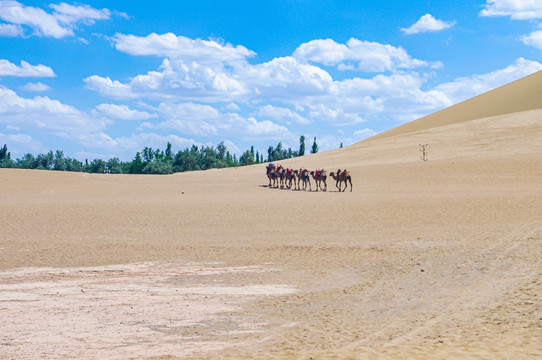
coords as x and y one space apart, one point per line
181 47
534 39
107 87
281 114
359 55
190 118
173 80
204 120
428 23
35 87
286 79
122 112
515 9
291 81
45 114
20 144
25 70
58 24
201 98
10 30
70 14
336 115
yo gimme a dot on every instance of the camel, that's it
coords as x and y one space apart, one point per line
319 177
291 176
341 177
272 175
304 176
281 172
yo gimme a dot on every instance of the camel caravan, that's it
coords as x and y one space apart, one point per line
282 177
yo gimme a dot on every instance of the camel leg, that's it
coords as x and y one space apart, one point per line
350 184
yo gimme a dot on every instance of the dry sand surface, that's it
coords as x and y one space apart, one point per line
432 259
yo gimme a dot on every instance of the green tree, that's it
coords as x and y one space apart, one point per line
314 148
97 166
158 167
59 161
28 161
5 158
137 165
114 165
221 150
246 158
270 154
4 153
45 161
302 145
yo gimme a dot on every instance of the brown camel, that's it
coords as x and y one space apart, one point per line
272 175
304 176
341 177
319 177
291 177
281 172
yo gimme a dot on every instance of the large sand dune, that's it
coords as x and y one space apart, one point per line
423 259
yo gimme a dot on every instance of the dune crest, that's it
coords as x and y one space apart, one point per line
520 95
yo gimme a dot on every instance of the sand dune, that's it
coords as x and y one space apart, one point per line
423 259
518 96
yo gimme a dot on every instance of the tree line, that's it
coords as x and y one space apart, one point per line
156 161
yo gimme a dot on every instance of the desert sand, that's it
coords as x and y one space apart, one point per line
435 259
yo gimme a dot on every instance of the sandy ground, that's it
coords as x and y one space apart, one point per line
432 259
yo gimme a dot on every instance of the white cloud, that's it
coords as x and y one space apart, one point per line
516 9
37 19
288 91
70 14
534 39
363 134
285 79
35 87
428 23
10 30
174 80
45 114
125 147
359 55
190 118
108 87
123 112
280 114
25 70
59 24
265 130
307 88
336 115
181 47
20 144
232 107
204 120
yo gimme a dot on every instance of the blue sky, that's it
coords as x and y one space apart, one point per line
99 79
